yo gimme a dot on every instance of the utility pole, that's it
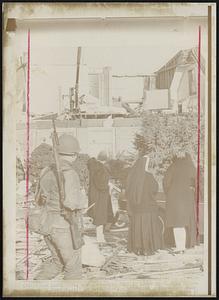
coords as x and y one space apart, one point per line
77 78
72 102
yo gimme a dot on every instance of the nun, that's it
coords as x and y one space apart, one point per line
145 227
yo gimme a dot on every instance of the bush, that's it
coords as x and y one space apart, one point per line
165 135
42 157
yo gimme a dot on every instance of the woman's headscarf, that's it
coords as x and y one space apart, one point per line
135 182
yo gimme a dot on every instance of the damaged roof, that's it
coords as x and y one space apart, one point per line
184 57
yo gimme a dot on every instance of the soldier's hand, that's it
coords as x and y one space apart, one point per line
66 213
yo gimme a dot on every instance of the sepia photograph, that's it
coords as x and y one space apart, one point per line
107 142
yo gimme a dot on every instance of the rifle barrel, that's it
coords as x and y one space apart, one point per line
55 132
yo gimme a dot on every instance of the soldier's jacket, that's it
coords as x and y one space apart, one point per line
48 187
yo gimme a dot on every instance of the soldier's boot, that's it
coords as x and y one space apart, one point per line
73 266
49 270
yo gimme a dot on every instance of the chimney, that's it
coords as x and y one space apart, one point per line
107 86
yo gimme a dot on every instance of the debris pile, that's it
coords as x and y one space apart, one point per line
112 260
37 252
118 263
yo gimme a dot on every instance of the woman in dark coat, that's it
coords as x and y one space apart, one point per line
145 228
98 193
179 187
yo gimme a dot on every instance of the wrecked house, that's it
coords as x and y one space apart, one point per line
102 93
175 85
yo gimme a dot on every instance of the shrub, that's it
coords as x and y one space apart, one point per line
42 157
165 135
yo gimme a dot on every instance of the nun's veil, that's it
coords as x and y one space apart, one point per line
135 182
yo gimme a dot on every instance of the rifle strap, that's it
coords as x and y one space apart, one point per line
53 168
38 188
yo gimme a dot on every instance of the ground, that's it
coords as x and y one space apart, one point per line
163 267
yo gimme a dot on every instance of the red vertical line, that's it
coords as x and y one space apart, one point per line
199 119
209 145
27 154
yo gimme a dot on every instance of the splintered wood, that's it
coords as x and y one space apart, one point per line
119 263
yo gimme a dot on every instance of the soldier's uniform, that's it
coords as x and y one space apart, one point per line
59 240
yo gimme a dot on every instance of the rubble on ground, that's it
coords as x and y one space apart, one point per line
117 263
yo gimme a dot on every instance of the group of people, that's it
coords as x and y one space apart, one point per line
145 227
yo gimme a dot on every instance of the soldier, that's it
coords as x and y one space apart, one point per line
58 237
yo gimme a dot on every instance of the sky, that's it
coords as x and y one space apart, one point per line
123 60
127 49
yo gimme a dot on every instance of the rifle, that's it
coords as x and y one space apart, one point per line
72 217
55 143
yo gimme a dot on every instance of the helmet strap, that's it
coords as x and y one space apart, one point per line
66 154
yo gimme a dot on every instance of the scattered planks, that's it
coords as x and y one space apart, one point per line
151 273
119 263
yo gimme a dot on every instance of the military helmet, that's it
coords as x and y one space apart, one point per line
68 144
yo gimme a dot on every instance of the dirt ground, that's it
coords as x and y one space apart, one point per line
119 264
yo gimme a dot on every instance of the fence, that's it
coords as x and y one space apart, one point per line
92 139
